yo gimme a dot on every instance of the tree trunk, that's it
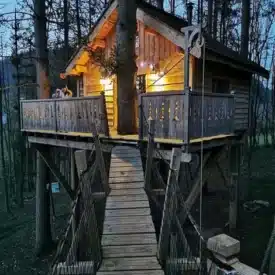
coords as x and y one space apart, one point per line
126 66
43 222
43 226
66 30
245 27
210 16
79 35
42 61
215 20
160 4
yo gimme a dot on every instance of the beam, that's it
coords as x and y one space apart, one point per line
169 33
50 163
169 207
80 68
69 143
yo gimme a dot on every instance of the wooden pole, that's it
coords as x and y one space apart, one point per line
150 151
74 188
233 187
43 224
169 204
100 160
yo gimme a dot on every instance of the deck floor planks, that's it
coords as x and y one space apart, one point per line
129 242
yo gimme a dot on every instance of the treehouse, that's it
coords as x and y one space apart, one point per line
220 78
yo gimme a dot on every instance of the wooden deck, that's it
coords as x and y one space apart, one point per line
129 242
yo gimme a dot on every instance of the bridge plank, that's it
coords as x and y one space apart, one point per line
129 251
129 239
133 164
126 179
125 169
126 204
127 185
127 219
128 228
126 192
127 212
127 174
138 263
134 197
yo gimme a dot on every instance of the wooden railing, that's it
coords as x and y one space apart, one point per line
65 115
167 109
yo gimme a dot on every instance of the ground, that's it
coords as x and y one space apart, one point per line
17 232
17 237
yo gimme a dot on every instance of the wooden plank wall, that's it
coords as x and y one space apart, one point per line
239 82
92 87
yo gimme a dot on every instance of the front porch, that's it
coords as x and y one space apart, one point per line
73 117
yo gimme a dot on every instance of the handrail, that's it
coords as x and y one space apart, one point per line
63 115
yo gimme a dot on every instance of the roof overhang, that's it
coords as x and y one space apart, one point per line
76 64
215 51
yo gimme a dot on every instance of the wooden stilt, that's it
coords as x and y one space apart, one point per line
233 187
45 155
149 160
169 204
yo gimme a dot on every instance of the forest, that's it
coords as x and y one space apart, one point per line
38 38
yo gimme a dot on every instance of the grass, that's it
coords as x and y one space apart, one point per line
17 237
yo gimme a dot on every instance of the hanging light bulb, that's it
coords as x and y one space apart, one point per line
142 64
151 66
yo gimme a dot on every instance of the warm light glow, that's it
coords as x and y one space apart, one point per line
142 64
105 81
161 73
158 82
151 66
153 77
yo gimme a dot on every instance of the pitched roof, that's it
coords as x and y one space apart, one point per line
212 45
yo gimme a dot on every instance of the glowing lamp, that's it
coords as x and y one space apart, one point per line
105 81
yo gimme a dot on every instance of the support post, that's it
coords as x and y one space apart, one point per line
43 221
100 160
141 118
150 150
233 187
105 115
74 185
169 204
44 154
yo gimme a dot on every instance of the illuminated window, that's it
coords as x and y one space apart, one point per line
80 87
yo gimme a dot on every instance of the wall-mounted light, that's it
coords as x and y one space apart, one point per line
105 81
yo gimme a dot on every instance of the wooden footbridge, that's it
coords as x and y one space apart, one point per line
129 243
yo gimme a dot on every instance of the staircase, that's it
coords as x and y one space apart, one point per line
129 244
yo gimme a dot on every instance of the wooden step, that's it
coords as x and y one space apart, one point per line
126 179
126 204
131 272
137 197
121 264
128 228
128 219
131 173
131 162
125 169
115 165
129 251
127 185
126 192
129 239
127 212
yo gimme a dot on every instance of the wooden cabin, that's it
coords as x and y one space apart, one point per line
160 84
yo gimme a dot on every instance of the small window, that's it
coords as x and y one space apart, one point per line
220 85
141 83
80 87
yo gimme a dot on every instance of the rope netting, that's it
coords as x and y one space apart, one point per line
79 250
187 252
